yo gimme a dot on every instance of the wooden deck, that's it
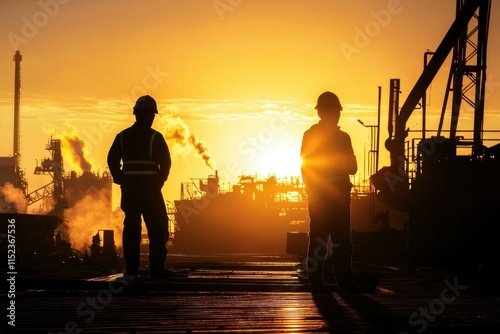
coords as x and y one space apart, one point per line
255 297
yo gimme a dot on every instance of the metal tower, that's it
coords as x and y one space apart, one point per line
20 180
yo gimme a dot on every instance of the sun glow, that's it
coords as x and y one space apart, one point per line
280 160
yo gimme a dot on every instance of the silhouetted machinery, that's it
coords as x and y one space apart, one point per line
449 185
105 253
55 168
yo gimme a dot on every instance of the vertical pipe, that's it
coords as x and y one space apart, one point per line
480 80
424 96
378 126
424 100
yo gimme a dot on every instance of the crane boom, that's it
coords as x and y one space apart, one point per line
453 214
425 79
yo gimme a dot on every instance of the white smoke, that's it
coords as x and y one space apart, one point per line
12 199
175 130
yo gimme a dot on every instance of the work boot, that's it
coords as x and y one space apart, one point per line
161 273
131 273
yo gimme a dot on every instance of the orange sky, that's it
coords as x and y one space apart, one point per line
243 77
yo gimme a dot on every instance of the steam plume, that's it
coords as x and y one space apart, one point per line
12 199
174 129
90 214
74 149
202 150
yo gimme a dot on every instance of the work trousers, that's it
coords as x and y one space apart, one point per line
329 213
142 197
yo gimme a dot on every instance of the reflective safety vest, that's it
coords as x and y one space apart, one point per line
140 167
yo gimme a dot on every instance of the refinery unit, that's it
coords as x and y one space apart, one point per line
44 234
269 215
266 215
252 217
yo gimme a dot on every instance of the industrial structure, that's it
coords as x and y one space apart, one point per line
10 169
39 233
269 215
20 181
253 216
448 182
442 184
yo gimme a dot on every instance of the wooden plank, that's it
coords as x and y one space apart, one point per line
249 312
250 299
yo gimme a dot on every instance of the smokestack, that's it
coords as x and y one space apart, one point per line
17 99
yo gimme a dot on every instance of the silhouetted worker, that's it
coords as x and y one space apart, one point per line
146 165
327 161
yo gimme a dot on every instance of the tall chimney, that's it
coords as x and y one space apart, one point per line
17 98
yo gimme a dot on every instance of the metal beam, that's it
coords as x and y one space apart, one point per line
435 64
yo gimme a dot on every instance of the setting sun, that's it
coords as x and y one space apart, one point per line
250 166
280 160
224 78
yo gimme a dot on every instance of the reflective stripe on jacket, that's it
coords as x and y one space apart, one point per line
139 167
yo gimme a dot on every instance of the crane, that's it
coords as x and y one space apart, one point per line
453 217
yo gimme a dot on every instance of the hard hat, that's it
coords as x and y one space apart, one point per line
328 99
145 103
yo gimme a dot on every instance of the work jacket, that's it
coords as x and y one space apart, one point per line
139 152
327 156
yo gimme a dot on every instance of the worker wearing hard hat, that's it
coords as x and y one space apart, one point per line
327 161
139 161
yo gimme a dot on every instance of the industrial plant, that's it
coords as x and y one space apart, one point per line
438 181
425 229
47 230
